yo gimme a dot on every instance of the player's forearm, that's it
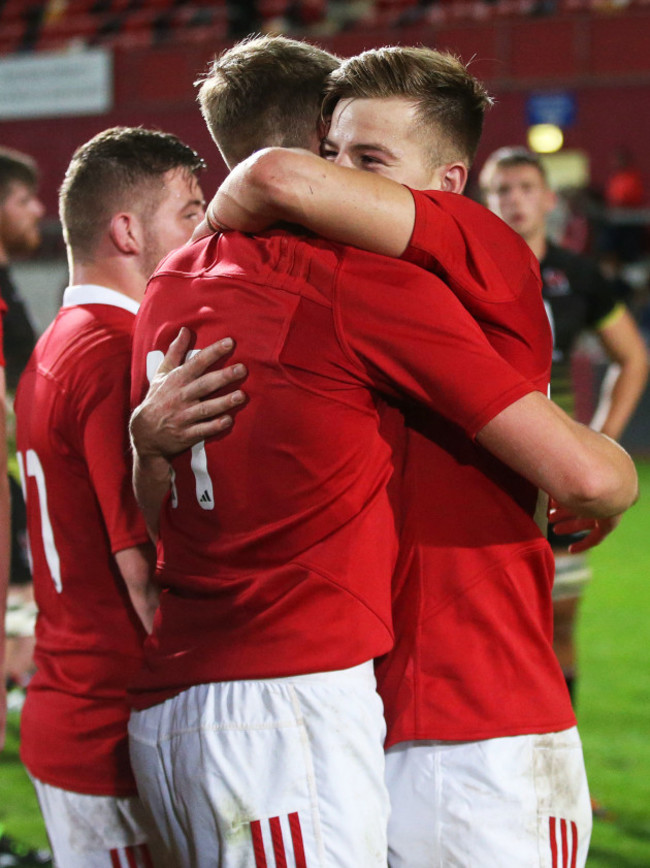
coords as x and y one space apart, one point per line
341 204
152 479
581 469
621 392
612 485
136 565
145 602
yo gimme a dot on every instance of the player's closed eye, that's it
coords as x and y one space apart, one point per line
367 160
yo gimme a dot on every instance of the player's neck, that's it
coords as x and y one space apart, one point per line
112 273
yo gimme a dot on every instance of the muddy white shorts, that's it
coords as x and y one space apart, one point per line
572 575
98 831
520 801
267 774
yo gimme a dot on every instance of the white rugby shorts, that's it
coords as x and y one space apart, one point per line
267 774
520 801
98 831
572 575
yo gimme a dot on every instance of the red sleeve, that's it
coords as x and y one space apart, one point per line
493 273
410 335
103 417
469 247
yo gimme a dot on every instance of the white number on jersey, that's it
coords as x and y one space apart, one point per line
199 464
35 469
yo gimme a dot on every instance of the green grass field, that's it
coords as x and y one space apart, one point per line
613 708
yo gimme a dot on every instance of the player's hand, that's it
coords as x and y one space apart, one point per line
202 230
180 408
564 521
209 225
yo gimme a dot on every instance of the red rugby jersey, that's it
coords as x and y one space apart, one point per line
277 547
473 655
72 411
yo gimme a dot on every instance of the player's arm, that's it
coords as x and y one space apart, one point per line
136 567
626 379
342 204
584 471
426 345
179 410
5 524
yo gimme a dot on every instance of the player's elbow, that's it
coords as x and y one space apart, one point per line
601 488
272 177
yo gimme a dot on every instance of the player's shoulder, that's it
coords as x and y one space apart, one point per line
190 258
85 341
494 233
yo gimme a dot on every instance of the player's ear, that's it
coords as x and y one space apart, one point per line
454 178
125 233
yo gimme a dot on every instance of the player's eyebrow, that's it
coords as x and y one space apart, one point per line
194 203
359 147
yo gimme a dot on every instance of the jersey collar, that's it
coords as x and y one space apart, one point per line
90 293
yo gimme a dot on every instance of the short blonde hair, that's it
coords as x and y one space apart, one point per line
451 103
265 91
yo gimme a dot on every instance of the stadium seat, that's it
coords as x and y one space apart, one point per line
59 32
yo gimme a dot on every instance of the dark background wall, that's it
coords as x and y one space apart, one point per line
604 60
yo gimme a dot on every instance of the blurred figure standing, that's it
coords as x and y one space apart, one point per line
625 190
20 215
578 297
21 212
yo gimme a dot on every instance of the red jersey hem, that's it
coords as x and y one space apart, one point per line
429 734
69 784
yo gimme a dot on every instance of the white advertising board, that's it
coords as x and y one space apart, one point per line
56 84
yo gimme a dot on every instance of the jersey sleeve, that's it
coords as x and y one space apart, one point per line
103 418
411 337
472 250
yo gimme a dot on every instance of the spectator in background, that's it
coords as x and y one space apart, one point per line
578 298
20 216
625 189
243 17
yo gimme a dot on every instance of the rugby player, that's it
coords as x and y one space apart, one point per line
578 298
415 116
368 338
129 196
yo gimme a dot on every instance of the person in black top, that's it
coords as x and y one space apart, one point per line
578 297
20 216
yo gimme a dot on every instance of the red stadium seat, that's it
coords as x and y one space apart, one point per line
58 33
11 36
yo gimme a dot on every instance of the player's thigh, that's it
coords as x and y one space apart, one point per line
259 768
97 831
486 804
572 575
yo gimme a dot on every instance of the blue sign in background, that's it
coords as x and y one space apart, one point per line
551 107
